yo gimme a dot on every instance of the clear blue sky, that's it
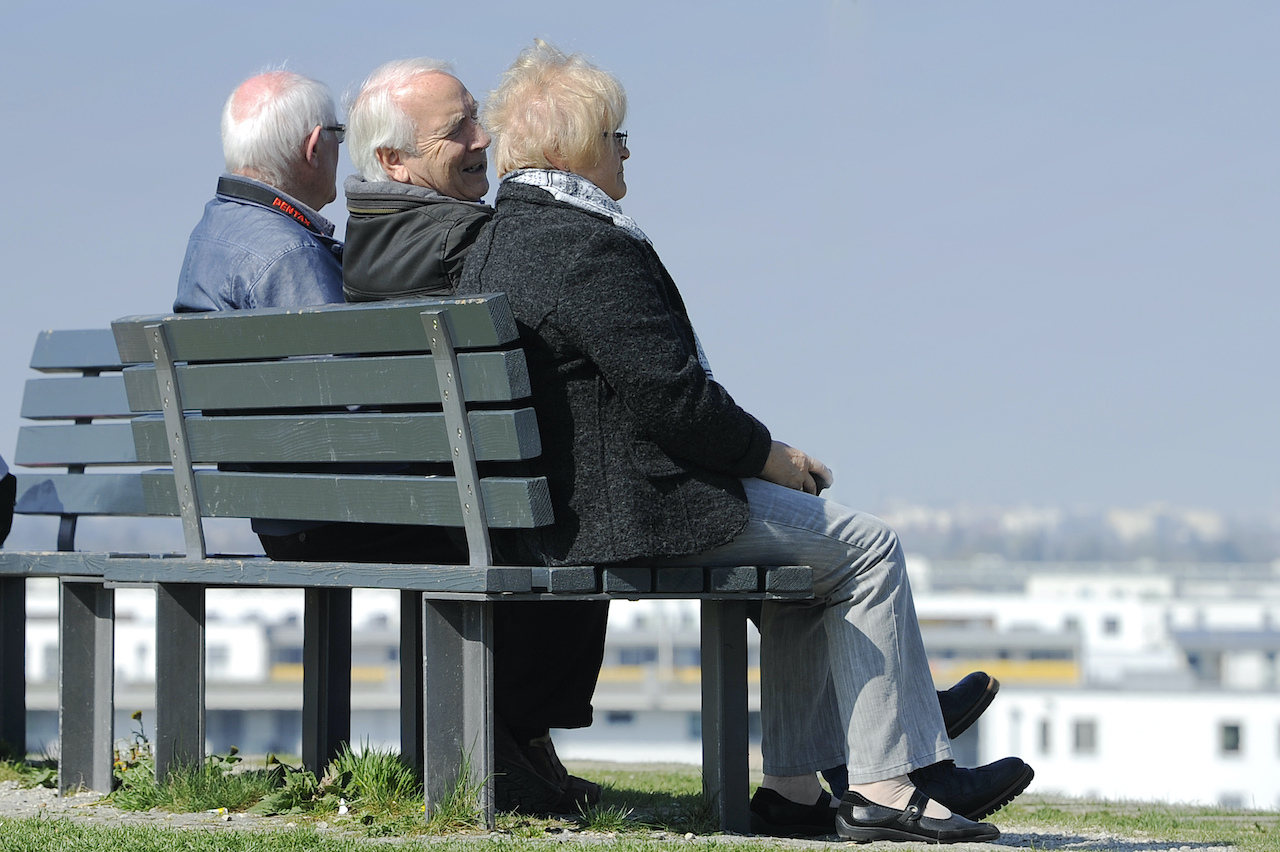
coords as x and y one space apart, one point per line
1000 252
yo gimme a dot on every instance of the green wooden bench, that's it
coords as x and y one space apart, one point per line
433 396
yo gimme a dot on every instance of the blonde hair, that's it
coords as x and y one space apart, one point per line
551 104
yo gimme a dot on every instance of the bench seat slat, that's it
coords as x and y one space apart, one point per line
82 494
481 321
51 564
69 398
260 571
98 443
352 437
332 382
510 502
77 350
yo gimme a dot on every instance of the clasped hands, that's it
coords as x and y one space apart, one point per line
795 469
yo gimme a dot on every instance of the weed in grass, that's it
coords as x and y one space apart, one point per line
210 785
459 810
295 790
376 780
14 766
607 818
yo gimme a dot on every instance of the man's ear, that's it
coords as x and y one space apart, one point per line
310 147
392 162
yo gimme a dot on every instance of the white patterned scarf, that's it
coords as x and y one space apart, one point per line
579 192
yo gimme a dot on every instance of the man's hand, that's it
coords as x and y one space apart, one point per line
792 468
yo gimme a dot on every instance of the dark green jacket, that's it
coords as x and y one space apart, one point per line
405 241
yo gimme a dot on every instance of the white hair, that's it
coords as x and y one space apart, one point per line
375 118
266 120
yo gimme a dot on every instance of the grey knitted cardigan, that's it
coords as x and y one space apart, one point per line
642 451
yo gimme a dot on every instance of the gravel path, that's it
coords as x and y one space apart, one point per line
88 808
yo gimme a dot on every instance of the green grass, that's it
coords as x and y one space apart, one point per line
29 773
1254 831
643 809
1040 823
194 789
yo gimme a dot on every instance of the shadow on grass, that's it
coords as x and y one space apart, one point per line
666 799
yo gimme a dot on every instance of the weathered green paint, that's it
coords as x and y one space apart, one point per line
481 321
332 382
512 502
83 494
75 351
345 437
99 443
70 398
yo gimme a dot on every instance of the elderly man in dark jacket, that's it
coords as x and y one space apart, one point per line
416 206
415 211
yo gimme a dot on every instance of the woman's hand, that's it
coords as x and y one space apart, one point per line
792 468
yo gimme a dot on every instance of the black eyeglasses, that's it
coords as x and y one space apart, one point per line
340 131
620 137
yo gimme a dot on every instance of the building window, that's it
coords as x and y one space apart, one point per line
619 717
1086 736
219 659
1111 625
686 656
637 656
1231 739
287 654
1046 736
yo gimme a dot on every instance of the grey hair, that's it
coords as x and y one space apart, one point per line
266 120
550 103
375 118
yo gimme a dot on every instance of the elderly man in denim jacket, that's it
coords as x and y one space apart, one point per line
261 242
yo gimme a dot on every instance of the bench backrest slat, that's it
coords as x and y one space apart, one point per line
510 502
306 383
70 397
77 350
323 330
339 438
90 494
61 445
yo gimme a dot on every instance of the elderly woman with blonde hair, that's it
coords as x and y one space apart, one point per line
649 458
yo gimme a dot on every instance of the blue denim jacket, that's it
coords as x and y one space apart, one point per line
244 254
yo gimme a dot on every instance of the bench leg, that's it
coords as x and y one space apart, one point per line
86 661
724 712
13 666
180 680
411 677
458 701
326 676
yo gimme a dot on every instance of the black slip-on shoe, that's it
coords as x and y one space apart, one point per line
864 821
974 793
776 816
541 754
961 706
963 703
